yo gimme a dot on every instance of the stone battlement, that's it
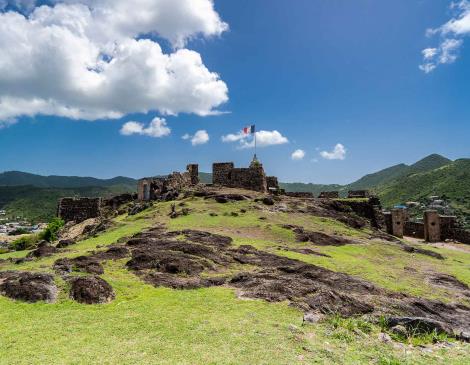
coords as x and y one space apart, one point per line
167 188
251 178
78 209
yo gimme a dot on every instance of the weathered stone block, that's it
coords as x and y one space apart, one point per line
78 209
329 195
398 222
358 194
432 229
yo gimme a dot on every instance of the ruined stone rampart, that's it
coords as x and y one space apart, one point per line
222 173
370 209
167 188
193 170
434 228
78 209
461 235
329 195
358 194
251 178
272 183
414 229
299 194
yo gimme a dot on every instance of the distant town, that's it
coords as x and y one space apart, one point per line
15 227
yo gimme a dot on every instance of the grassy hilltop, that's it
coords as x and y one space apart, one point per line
219 325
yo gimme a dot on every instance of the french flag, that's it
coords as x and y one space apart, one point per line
249 130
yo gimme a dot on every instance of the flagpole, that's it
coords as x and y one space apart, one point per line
255 144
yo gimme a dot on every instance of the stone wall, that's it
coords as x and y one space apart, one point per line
398 222
221 173
358 194
370 209
166 188
414 229
299 194
272 182
251 178
193 170
329 195
78 209
432 229
435 228
461 235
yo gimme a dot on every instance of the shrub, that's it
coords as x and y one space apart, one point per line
24 243
50 233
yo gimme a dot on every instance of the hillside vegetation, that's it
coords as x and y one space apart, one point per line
154 322
451 181
16 178
40 204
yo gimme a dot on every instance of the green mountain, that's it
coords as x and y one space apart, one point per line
385 176
378 178
451 181
17 178
429 163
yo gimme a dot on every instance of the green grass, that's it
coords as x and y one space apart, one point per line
212 326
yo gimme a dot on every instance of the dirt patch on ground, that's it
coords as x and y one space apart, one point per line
91 290
422 251
448 281
113 253
305 251
43 251
86 264
28 286
318 238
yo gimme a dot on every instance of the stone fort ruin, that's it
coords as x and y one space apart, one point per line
434 228
166 188
223 174
79 209
251 178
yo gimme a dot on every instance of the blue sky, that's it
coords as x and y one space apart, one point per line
321 72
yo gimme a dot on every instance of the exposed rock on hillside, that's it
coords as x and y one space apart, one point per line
91 290
28 286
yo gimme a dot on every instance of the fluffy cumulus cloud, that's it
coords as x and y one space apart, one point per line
450 34
298 155
200 137
263 139
338 153
157 128
93 59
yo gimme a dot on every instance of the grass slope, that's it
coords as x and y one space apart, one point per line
212 326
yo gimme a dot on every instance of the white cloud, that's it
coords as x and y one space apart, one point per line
90 59
450 44
338 153
200 137
157 128
298 155
263 139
